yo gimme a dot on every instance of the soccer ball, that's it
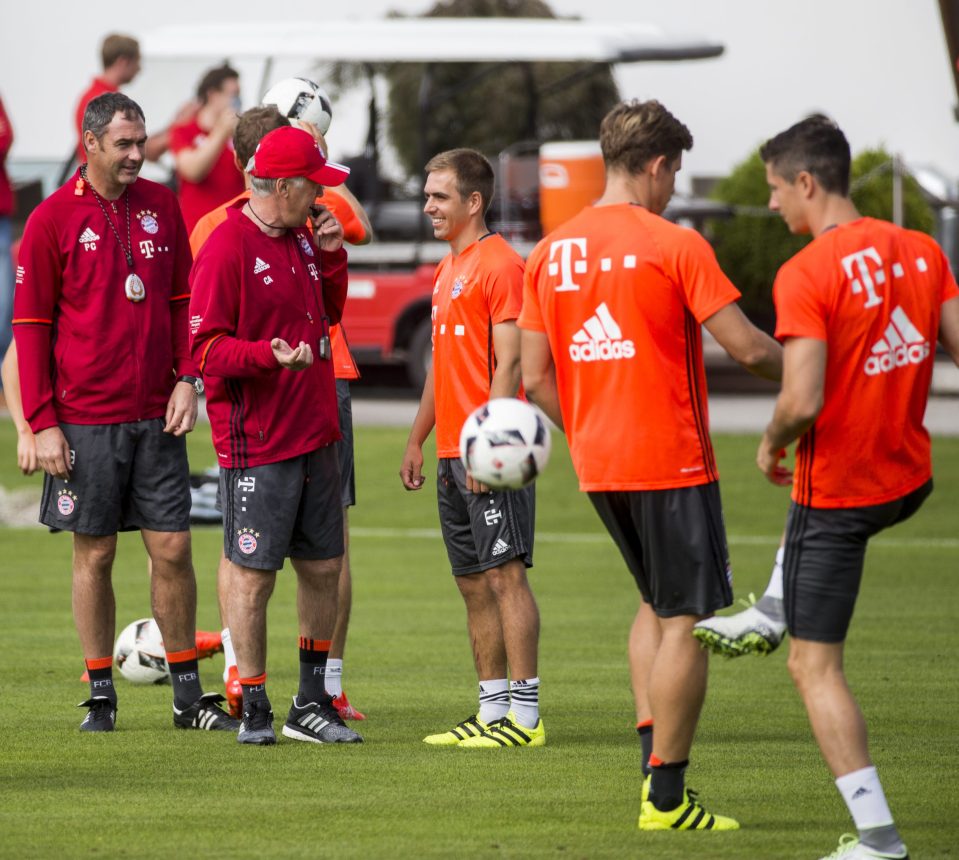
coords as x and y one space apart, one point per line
505 443
299 98
139 653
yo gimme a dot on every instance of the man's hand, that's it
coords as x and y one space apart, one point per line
475 486
292 359
411 471
27 452
53 452
327 231
181 409
767 458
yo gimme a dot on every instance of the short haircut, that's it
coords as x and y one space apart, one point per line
815 145
100 111
116 47
252 126
213 80
472 170
635 132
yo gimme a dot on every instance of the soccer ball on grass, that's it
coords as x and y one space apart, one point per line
505 443
300 98
139 653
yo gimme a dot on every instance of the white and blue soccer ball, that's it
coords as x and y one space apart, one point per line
139 653
300 98
505 443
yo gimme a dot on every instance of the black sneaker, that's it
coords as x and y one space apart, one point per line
102 716
318 723
257 725
205 713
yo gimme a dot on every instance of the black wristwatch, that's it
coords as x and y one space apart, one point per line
194 381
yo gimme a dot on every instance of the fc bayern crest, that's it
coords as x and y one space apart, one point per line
458 285
306 246
66 503
246 541
148 222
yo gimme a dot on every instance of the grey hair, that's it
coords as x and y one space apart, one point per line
101 110
262 186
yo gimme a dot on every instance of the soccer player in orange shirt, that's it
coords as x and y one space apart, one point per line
488 534
612 351
252 125
859 311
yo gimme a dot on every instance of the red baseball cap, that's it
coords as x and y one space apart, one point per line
290 151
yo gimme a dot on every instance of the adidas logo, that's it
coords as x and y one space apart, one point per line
260 266
862 791
601 339
500 547
88 236
901 344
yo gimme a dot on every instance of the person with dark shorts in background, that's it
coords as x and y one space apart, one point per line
488 533
109 390
613 304
859 311
264 294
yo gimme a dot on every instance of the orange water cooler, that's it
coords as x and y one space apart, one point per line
571 176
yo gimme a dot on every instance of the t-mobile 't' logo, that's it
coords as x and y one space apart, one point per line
567 266
867 280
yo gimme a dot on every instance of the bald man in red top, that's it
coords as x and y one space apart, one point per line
859 311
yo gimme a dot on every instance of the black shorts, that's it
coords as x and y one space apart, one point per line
674 544
345 446
823 561
483 530
286 509
123 477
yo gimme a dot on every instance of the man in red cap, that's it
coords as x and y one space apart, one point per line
265 295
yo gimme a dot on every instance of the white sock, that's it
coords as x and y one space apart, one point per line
865 799
775 587
524 702
493 700
228 653
334 677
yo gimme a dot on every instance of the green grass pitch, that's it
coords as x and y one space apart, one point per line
150 791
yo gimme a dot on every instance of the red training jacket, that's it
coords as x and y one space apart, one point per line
249 288
89 355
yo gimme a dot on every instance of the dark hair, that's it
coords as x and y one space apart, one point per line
101 110
115 47
634 132
472 170
252 126
213 80
815 145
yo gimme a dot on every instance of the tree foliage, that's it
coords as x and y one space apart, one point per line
489 106
753 244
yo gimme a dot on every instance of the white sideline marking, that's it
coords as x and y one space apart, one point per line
598 537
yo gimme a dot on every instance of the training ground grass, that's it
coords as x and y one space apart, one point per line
150 791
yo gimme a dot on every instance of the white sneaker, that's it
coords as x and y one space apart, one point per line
748 632
850 848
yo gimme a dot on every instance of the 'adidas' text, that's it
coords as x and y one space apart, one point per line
901 344
601 339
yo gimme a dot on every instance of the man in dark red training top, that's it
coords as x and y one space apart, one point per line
265 293
109 389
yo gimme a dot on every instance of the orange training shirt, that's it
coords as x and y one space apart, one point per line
344 367
621 293
472 291
873 292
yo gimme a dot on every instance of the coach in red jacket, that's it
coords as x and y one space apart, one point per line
265 293
108 387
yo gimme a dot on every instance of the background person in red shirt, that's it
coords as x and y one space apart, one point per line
6 234
265 294
107 383
202 147
488 534
613 305
859 311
